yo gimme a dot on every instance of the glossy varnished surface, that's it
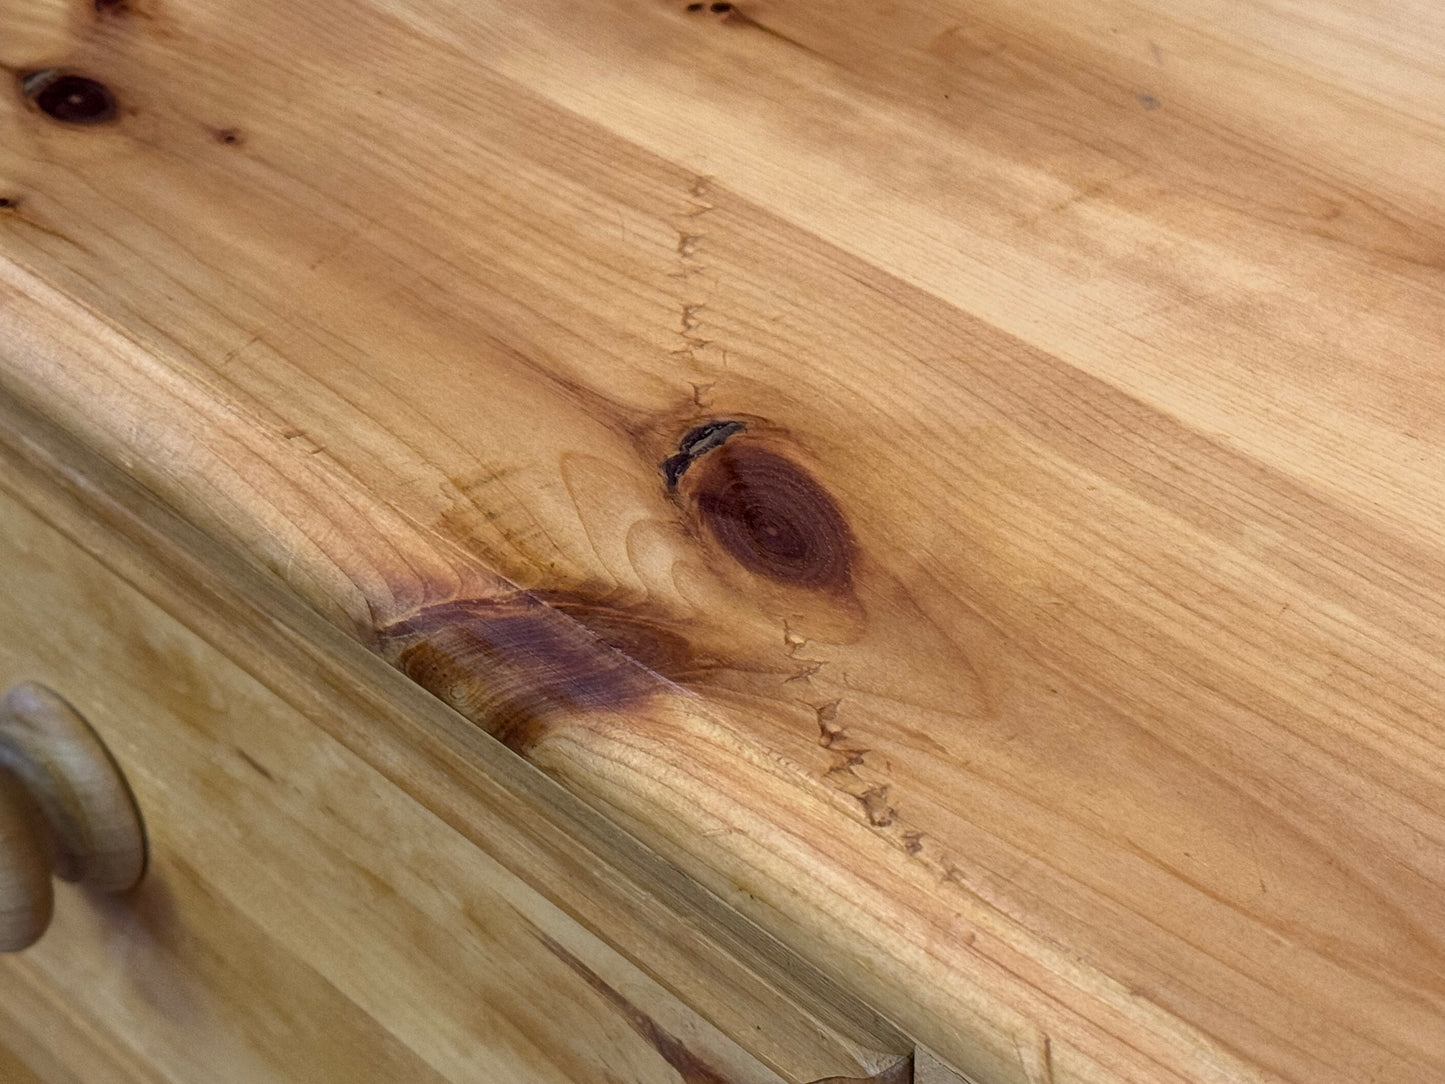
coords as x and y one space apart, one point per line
964 482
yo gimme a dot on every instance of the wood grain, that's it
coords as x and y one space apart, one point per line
303 919
1051 654
750 986
27 899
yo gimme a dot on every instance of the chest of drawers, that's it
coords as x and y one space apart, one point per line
766 541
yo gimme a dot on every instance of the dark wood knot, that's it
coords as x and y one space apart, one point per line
70 98
772 516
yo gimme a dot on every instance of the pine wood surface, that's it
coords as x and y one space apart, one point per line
1042 634
718 964
303 919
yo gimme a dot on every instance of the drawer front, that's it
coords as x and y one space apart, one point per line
302 918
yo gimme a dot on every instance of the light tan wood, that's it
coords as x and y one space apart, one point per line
1108 331
303 919
40 31
16 1070
928 1068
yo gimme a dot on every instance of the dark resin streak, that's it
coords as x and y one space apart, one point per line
515 663
689 1066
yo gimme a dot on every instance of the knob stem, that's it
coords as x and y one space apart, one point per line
65 811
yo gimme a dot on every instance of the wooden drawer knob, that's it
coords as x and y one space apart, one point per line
65 811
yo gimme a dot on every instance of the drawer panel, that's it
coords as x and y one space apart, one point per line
303 919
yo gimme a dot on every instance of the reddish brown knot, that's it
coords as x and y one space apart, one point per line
766 511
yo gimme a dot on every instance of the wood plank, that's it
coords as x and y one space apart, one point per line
1101 742
55 1044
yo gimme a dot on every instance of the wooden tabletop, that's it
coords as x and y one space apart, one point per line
966 481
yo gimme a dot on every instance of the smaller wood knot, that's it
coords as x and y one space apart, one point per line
69 98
